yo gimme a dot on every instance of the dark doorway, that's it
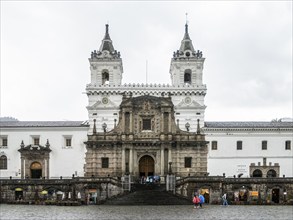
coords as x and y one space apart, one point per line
146 166
275 195
18 194
36 170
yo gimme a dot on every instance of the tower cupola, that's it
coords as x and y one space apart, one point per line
187 63
106 64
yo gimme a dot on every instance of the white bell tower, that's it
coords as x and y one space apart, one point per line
103 92
186 64
106 64
186 71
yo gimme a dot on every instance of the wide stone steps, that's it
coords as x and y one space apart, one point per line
148 194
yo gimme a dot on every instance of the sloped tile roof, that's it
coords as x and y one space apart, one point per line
247 124
6 124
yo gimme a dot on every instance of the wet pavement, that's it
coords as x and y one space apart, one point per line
145 212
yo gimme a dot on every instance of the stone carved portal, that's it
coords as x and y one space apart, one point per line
36 170
146 166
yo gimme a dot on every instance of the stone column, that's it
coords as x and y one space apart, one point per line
162 160
131 160
45 169
48 168
123 121
130 124
170 122
170 154
162 122
123 160
115 159
23 168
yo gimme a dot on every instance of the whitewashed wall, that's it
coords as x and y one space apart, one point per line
227 159
63 161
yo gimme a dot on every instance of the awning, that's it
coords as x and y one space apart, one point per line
18 189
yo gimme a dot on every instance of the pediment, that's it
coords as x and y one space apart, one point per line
191 104
100 105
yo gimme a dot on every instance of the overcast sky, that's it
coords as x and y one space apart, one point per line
45 48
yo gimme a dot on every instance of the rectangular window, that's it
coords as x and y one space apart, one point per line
3 142
146 124
105 162
36 141
187 162
239 145
288 145
68 142
264 145
214 145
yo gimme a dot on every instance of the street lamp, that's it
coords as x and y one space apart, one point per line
104 126
187 126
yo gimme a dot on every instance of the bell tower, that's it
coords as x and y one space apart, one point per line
187 64
106 64
186 71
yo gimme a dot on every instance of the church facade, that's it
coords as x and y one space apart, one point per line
146 130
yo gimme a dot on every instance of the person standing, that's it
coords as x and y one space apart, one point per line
225 202
202 200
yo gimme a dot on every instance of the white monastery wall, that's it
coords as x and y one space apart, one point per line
227 159
64 161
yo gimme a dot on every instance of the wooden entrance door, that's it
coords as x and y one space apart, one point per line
146 166
36 170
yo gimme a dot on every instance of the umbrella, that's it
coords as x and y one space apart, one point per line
44 192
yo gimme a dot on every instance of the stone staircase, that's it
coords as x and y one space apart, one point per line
148 194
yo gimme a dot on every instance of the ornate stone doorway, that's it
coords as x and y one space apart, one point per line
146 166
36 170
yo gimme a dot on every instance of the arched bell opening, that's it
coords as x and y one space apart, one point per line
257 173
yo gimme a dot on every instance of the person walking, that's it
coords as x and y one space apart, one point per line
202 200
225 202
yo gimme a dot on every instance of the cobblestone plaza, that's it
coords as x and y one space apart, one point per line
145 212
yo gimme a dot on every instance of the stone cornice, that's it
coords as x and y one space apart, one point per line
144 89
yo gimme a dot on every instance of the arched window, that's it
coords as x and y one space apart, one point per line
3 162
187 76
257 173
271 173
105 77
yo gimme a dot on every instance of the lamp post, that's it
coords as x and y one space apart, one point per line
187 126
104 126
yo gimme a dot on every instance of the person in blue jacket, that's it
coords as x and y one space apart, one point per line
201 198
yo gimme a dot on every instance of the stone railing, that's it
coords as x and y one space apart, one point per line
209 179
60 181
